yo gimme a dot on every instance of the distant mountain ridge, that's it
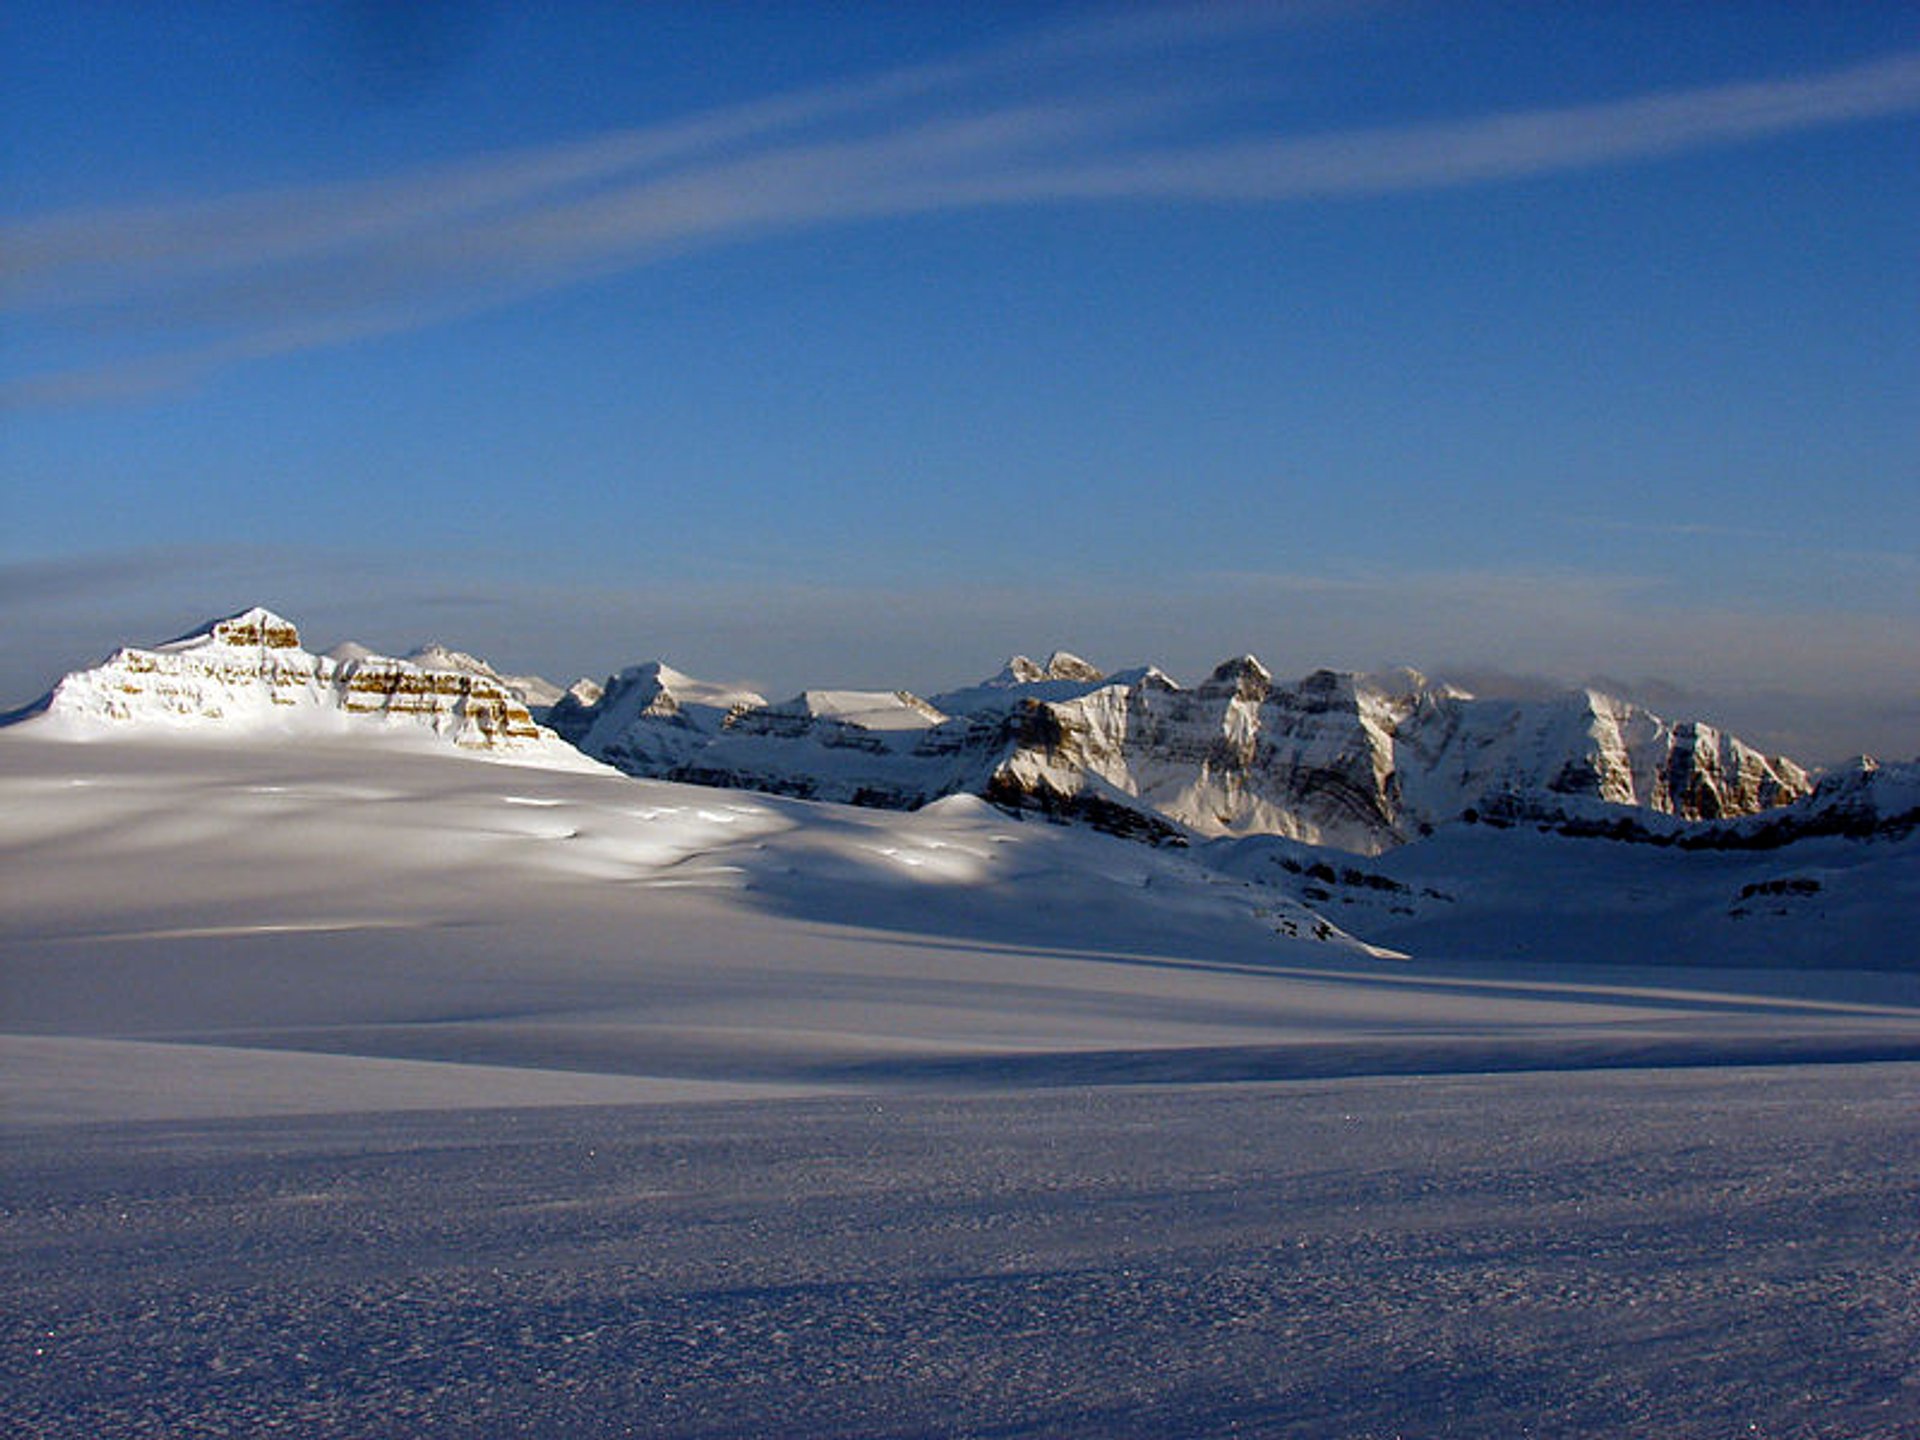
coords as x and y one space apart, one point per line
1362 763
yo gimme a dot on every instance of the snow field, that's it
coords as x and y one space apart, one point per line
1684 1253
360 1089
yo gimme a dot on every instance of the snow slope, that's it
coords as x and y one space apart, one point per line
379 894
355 1083
1808 889
1689 1254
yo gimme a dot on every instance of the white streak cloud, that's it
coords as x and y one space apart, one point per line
162 295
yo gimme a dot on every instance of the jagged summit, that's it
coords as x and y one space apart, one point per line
1060 665
1021 679
1065 665
1360 762
1018 670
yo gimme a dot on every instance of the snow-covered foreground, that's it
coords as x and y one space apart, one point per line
373 1089
1676 1253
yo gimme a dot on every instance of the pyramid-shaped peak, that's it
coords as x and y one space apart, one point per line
1243 673
658 672
1065 665
1248 664
1144 677
256 628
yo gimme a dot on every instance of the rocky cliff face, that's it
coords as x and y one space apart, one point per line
1362 763
249 670
1861 801
1235 754
1585 744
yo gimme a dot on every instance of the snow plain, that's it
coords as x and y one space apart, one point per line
357 1087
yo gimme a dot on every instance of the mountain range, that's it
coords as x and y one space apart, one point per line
1354 762
1383 814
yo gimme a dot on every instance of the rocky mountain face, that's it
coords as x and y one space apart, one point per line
1863 800
1361 763
251 670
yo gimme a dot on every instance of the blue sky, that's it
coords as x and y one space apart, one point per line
865 344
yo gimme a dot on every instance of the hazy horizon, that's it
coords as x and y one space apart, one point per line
827 639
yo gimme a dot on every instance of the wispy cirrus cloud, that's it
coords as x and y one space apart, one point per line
164 294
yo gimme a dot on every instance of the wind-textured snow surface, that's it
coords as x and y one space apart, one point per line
356 1086
1675 1253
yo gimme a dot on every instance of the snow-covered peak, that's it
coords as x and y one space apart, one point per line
647 717
249 672
435 656
1404 683
1063 677
661 679
255 628
1869 791
1020 670
530 689
1064 665
1144 677
1243 677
